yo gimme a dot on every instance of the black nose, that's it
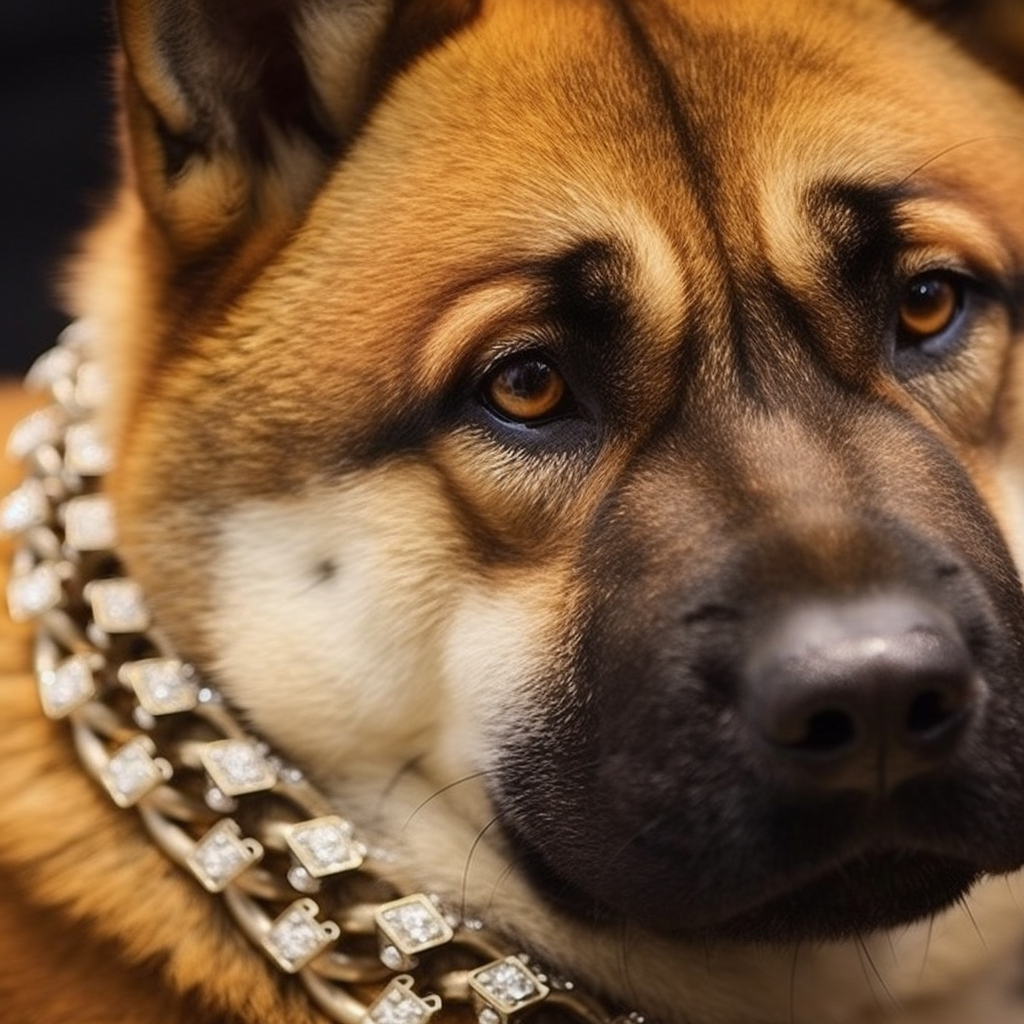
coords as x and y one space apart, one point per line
862 694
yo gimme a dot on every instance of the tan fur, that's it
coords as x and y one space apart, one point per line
242 302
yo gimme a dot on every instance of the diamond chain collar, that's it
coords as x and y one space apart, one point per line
295 876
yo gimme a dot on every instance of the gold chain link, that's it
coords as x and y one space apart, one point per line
295 877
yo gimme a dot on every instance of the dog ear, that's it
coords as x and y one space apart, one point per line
235 108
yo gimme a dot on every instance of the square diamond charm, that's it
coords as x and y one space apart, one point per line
503 988
34 592
410 926
222 855
163 686
118 606
325 846
296 937
237 767
85 452
89 523
399 1004
25 507
67 687
133 771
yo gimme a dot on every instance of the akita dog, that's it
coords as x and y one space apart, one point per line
525 526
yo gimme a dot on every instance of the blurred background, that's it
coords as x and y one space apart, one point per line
55 156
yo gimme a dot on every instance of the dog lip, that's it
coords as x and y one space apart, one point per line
833 899
882 887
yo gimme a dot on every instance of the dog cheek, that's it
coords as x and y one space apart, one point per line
326 618
508 643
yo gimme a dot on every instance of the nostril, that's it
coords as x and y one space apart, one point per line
861 693
827 732
933 714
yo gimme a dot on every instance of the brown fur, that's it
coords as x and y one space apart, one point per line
282 286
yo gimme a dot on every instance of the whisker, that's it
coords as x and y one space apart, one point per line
966 908
469 861
792 983
440 792
927 948
955 146
878 975
625 950
498 882
403 769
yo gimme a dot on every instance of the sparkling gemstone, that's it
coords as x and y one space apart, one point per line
398 1004
220 802
325 846
89 523
117 605
25 507
222 855
301 880
44 426
163 686
392 958
413 924
52 366
133 771
31 593
507 986
85 452
296 937
66 687
237 767
488 1016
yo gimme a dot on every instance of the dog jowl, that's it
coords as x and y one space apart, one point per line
610 408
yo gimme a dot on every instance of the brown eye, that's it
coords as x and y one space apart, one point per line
930 304
526 390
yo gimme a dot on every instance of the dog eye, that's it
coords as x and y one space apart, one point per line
930 305
526 389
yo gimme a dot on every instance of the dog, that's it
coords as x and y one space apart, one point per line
582 440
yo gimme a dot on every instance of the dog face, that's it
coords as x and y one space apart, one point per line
594 427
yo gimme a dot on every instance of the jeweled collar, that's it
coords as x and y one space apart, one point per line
296 877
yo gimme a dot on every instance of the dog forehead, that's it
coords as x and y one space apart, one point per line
539 128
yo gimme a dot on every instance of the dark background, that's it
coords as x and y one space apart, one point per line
56 156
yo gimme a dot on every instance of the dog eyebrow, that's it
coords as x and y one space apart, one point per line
861 223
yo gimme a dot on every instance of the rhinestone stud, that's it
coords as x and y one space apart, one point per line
163 686
24 508
89 523
55 365
222 855
410 926
133 771
42 427
503 988
325 846
297 937
67 687
399 1004
237 767
117 605
34 592
85 452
